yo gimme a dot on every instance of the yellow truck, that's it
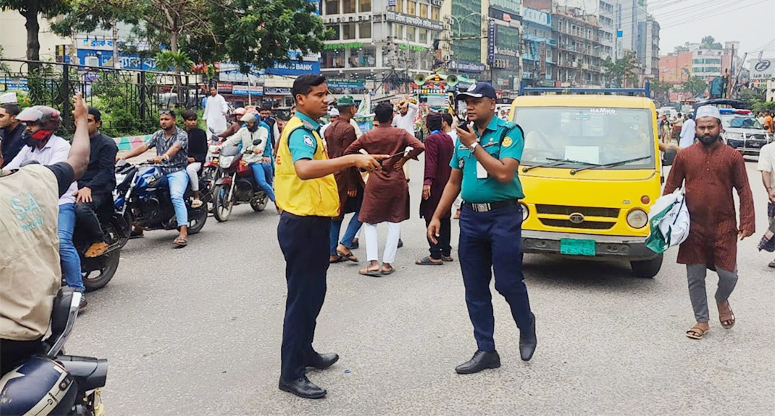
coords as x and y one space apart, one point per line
590 170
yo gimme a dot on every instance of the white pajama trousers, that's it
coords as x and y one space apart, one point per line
391 243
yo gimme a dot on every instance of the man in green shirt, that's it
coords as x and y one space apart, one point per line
484 165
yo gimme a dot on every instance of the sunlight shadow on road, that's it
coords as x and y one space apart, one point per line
555 271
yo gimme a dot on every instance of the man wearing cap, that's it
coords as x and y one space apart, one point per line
708 170
271 122
255 157
11 129
484 166
333 115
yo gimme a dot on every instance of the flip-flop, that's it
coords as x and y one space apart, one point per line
372 273
348 256
197 203
447 258
696 332
389 271
180 242
426 261
727 319
339 259
134 235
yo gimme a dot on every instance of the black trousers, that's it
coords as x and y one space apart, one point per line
304 242
87 220
443 247
13 353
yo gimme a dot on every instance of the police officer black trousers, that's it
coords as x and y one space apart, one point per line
304 243
491 241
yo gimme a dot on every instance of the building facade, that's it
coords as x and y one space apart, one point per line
606 17
578 56
539 48
651 50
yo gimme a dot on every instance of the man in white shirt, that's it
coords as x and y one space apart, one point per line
215 111
333 115
47 149
766 166
404 118
687 133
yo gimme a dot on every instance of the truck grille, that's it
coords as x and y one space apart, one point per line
586 225
585 211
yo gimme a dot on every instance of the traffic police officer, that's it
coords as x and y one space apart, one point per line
484 165
306 192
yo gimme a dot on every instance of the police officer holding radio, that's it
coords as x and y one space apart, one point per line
484 165
307 194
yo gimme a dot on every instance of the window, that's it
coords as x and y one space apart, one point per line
423 11
348 6
364 57
332 7
411 7
398 31
400 6
422 37
364 6
364 30
410 32
332 58
337 32
348 31
435 12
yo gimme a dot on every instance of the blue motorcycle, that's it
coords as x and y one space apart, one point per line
143 199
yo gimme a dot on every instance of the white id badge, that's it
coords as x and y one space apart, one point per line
481 172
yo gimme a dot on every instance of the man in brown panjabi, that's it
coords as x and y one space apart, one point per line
339 136
709 170
386 197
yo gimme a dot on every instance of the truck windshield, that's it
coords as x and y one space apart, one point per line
738 122
588 136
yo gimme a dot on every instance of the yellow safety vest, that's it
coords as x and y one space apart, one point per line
314 197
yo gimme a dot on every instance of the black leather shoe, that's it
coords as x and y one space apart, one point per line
322 361
303 388
528 341
481 360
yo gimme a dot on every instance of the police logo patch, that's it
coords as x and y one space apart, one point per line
507 141
461 163
308 141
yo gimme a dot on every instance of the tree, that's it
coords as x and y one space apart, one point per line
695 85
709 42
622 71
660 90
262 32
30 9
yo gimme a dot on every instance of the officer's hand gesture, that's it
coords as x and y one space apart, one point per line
433 230
467 136
80 110
368 163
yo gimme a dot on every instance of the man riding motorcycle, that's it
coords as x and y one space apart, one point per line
31 273
234 123
95 188
46 148
256 159
171 143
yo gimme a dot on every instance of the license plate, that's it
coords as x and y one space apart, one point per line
754 145
574 247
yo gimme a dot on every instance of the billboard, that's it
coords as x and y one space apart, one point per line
762 68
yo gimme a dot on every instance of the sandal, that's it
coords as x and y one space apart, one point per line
447 258
347 256
389 271
427 261
771 265
97 249
136 234
197 203
372 273
696 332
727 318
180 242
335 259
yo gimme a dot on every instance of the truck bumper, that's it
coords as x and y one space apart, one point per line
625 248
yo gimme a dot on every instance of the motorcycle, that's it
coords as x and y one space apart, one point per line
236 184
96 272
55 383
141 200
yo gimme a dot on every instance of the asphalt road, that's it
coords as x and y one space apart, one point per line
197 331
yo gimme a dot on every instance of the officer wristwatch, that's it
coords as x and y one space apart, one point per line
473 147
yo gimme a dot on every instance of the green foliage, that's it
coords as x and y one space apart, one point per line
31 9
756 99
116 98
695 85
622 71
90 15
173 61
709 42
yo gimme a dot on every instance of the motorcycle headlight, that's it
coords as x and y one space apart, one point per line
225 161
637 218
525 212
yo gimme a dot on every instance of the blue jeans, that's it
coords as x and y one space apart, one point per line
491 241
178 182
71 263
349 233
262 171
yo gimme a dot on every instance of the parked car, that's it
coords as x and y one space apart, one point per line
743 132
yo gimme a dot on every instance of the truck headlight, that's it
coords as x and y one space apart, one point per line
637 218
525 212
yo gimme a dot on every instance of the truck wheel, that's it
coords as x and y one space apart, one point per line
646 269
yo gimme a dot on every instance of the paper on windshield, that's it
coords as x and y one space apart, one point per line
587 154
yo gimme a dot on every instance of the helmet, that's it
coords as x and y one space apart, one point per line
250 116
49 119
40 384
240 111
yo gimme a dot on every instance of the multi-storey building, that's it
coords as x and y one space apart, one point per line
503 44
606 17
631 16
651 51
381 41
539 48
578 61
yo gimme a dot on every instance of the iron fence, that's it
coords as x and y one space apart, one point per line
129 100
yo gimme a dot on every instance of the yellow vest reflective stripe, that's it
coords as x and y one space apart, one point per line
313 197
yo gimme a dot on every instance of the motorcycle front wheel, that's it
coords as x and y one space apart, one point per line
221 206
104 274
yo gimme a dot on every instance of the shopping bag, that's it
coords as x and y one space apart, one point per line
668 222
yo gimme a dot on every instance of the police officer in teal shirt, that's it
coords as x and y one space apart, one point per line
484 166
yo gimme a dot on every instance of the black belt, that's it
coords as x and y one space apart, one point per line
490 206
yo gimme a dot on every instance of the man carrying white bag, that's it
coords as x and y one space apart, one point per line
669 222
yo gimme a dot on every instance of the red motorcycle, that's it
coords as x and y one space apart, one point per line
236 184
